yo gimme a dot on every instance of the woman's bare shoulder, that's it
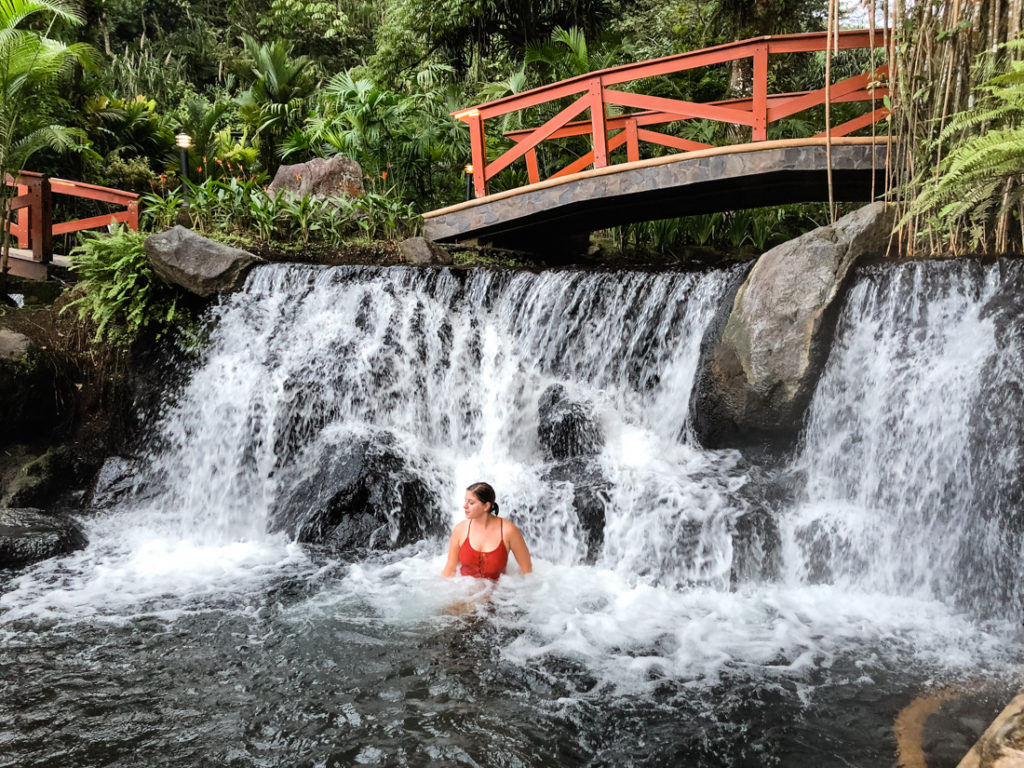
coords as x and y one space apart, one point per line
460 528
511 527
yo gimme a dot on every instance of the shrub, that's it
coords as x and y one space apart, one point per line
123 296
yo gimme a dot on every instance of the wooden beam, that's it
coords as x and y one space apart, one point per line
91 223
478 150
797 43
845 129
552 125
583 161
532 168
665 140
799 103
678 107
632 142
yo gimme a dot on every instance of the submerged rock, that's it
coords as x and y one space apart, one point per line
199 265
29 535
761 357
324 177
362 495
114 482
961 718
589 499
567 428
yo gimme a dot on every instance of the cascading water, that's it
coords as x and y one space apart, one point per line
914 443
650 634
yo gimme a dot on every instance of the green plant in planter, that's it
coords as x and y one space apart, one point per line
123 296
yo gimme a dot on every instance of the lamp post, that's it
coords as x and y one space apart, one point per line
184 141
469 181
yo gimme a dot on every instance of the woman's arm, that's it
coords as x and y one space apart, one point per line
517 544
453 553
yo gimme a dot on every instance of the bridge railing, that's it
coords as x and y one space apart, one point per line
595 92
33 227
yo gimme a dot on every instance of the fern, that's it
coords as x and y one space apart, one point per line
980 178
122 294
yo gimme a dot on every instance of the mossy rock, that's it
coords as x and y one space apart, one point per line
42 478
28 400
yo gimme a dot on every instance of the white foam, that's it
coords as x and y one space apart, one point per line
452 368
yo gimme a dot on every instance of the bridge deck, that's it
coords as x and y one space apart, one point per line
717 179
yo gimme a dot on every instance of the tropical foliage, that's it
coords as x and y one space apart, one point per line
978 193
30 63
243 207
261 82
276 102
120 293
958 175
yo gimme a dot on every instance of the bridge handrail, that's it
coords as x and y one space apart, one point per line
756 111
34 228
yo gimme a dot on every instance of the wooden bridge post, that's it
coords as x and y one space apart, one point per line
34 226
632 141
133 216
479 150
759 105
42 235
599 129
19 222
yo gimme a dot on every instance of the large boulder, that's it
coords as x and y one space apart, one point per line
199 265
567 428
1002 743
29 535
363 494
28 405
761 357
323 177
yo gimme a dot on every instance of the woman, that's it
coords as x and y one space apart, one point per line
480 544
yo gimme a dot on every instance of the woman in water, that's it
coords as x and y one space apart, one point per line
480 544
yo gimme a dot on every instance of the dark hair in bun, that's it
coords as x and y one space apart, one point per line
485 493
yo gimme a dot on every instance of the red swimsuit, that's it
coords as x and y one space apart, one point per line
483 565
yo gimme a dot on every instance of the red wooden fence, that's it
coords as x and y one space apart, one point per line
33 227
594 92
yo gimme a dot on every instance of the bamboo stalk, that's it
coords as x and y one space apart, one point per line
874 77
828 111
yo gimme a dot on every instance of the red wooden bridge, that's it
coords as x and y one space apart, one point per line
34 229
600 190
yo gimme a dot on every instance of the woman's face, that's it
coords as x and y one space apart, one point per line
473 507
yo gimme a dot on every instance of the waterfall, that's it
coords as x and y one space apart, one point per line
904 482
914 442
686 606
449 367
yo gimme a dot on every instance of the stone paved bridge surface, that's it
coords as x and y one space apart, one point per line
543 215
